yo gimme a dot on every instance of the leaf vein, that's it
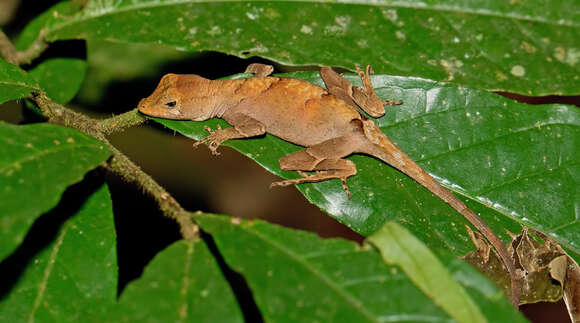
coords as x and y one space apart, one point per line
46 275
349 298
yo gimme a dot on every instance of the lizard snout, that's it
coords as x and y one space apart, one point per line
142 106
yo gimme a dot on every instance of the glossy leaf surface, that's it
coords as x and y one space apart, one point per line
528 47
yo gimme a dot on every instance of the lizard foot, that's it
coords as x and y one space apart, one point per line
345 187
391 103
366 80
308 178
303 174
213 140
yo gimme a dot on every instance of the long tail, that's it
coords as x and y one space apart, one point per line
384 149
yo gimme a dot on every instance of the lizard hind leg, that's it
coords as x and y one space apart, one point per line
324 159
324 170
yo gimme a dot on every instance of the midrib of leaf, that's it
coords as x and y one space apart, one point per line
528 175
576 220
489 140
46 275
45 152
345 295
480 12
20 84
185 282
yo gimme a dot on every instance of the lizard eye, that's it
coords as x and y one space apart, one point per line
170 104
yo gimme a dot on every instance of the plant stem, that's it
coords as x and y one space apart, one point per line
121 122
12 55
119 164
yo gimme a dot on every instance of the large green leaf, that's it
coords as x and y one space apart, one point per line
56 14
513 163
15 83
74 277
60 78
37 163
182 284
398 246
521 46
296 276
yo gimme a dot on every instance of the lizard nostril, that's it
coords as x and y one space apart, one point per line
141 104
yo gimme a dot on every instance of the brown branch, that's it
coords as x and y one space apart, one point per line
7 50
121 122
119 164
12 55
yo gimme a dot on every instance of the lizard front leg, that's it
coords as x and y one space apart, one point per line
260 70
242 127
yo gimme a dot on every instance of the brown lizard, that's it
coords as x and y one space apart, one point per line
326 122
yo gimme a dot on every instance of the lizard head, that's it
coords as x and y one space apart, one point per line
178 97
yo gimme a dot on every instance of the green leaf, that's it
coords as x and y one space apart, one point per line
61 78
37 163
297 276
525 46
74 277
398 246
480 289
15 83
512 163
183 283
58 13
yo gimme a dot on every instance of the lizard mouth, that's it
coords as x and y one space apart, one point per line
176 113
142 106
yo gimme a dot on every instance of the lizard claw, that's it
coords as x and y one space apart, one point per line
199 142
213 146
213 139
345 187
391 103
306 178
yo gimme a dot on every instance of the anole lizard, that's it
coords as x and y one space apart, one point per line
326 122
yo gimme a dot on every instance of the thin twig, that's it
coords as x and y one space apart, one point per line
121 122
119 164
7 50
12 55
